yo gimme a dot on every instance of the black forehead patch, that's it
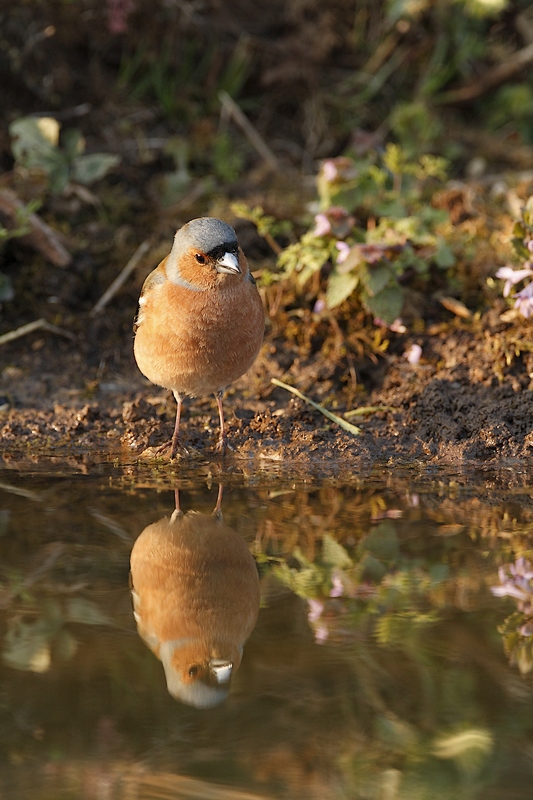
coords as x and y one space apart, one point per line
219 250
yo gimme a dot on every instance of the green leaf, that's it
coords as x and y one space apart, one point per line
27 645
334 553
58 172
305 257
73 143
308 582
65 645
340 288
372 568
81 610
438 573
30 143
444 256
393 207
6 288
520 249
378 278
382 542
90 168
387 305
34 147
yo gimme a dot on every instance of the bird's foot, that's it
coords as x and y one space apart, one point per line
223 446
174 449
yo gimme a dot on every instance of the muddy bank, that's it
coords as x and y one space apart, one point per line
460 404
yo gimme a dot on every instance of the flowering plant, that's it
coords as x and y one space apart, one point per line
523 246
516 581
373 231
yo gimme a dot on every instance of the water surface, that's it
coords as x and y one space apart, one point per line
381 664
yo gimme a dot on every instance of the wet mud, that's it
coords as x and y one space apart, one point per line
457 405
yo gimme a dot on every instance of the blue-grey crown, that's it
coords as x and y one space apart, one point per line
207 234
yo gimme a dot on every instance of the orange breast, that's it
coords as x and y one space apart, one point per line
194 579
199 342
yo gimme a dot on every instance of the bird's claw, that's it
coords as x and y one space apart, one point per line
223 446
176 449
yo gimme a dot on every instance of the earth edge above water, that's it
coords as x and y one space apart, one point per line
450 408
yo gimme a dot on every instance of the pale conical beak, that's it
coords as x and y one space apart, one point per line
229 263
221 670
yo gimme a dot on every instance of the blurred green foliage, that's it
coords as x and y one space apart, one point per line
522 240
376 585
518 645
184 77
375 229
36 145
21 229
522 243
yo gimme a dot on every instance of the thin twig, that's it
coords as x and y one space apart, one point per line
38 497
253 136
493 77
40 235
121 278
36 325
269 239
362 410
347 426
66 114
110 524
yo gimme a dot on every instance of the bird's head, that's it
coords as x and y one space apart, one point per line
195 677
205 251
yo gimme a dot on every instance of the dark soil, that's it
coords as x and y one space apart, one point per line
456 406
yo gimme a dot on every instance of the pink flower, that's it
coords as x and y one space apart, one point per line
321 634
316 607
335 221
319 306
337 589
526 629
512 276
118 12
322 225
338 170
329 169
396 327
344 251
413 353
524 300
515 582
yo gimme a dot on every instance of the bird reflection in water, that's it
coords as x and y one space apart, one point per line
195 590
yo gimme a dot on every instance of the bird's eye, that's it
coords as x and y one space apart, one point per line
193 670
200 258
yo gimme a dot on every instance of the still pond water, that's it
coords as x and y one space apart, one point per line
389 659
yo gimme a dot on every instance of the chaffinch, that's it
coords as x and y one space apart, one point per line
195 590
201 322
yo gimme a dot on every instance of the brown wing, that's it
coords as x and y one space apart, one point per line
155 278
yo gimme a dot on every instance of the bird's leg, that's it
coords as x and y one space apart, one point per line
217 511
223 439
176 434
177 513
174 442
